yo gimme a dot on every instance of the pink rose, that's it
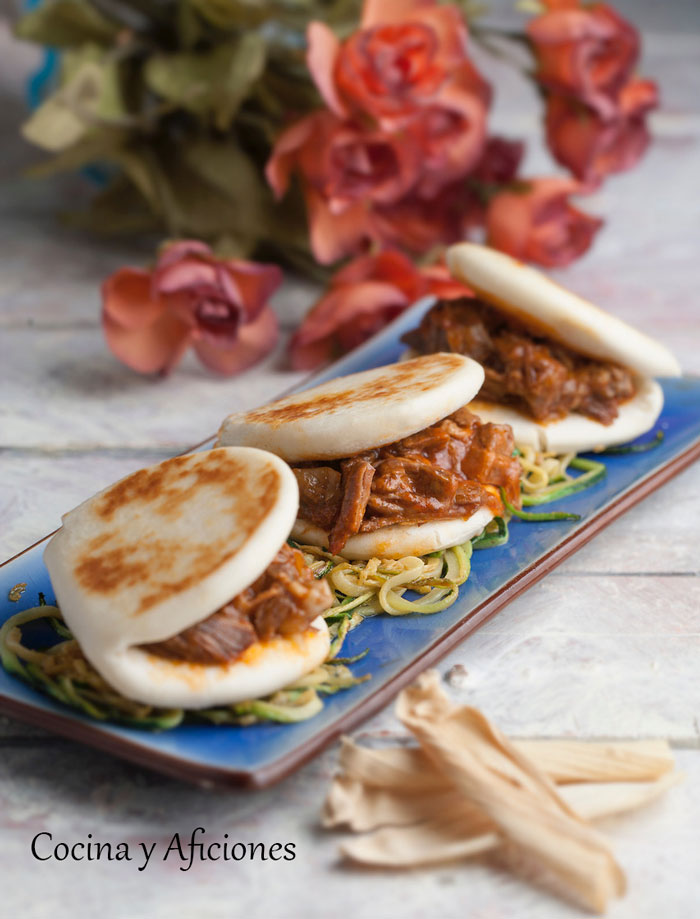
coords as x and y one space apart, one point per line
450 133
588 53
593 147
190 297
538 224
402 54
344 169
500 160
361 299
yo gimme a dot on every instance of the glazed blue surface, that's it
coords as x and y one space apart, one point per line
393 641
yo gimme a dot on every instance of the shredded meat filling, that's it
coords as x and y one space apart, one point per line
281 602
543 377
450 469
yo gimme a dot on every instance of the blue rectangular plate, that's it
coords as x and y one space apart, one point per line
400 648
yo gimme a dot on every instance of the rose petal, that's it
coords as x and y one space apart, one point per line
440 283
255 283
334 236
390 265
451 134
589 52
179 249
186 274
284 154
126 298
446 22
341 307
321 56
380 12
540 225
592 147
359 164
255 340
157 348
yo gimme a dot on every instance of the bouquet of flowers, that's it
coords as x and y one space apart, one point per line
317 130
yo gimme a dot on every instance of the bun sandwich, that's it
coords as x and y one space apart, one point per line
180 588
565 375
388 462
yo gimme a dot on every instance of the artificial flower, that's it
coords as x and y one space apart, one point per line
190 298
405 119
362 298
344 169
450 134
537 223
398 59
593 147
586 52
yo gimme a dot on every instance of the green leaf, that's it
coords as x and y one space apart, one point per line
214 191
119 208
232 174
212 83
189 25
232 14
89 95
65 23
98 145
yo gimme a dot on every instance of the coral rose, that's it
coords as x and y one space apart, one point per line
588 53
362 298
344 170
418 224
593 147
538 224
190 297
399 58
450 133
499 161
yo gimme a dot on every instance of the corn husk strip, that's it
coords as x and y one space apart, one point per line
563 760
427 843
518 797
361 807
399 768
588 761
595 800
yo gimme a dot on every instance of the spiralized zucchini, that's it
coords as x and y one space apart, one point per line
546 477
366 588
60 669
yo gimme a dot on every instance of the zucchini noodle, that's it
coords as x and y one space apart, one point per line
541 469
545 475
60 669
366 588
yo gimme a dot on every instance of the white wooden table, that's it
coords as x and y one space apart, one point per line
607 646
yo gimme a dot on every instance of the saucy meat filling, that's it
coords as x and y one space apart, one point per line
283 601
534 373
451 469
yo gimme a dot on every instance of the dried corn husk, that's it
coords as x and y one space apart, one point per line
590 761
468 790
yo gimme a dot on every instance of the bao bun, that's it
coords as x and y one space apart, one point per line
556 313
163 549
576 433
360 412
398 541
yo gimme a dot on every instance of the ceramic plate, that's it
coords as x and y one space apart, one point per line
400 648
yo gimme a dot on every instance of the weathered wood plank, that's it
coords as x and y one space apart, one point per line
84 792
